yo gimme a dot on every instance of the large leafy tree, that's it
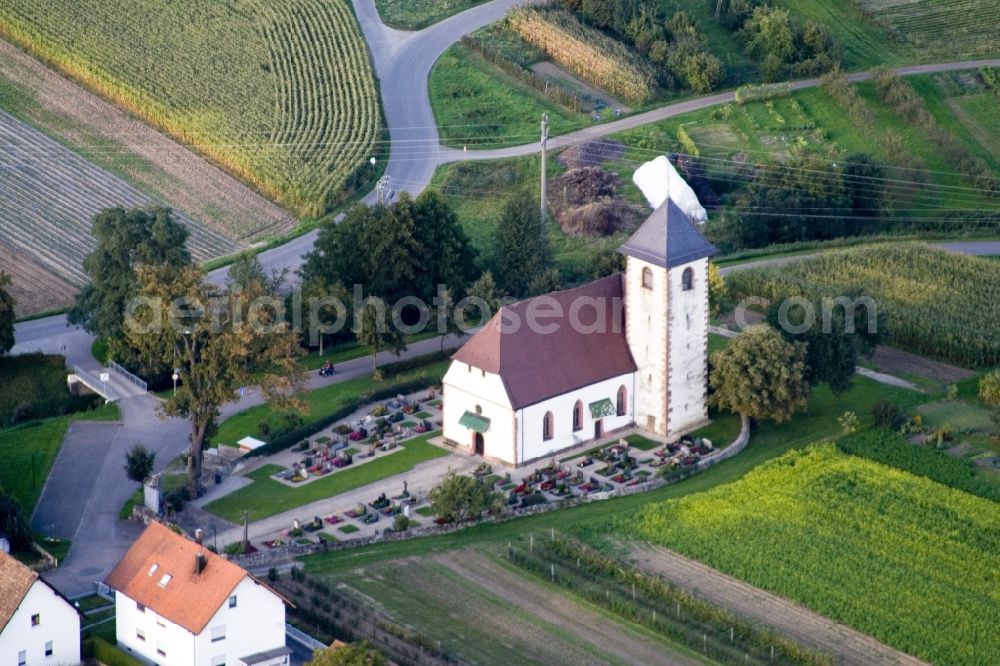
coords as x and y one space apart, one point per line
760 375
7 304
375 331
460 497
14 523
521 252
126 239
210 336
837 335
352 654
442 239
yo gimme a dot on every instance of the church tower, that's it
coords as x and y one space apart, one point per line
666 321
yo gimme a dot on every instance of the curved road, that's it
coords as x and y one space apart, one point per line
403 61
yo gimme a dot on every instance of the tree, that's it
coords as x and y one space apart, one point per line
125 239
14 524
716 289
989 388
7 316
139 463
769 33
378 334
461 497
351 654
211 336
441 239
447 322
835 341
485 291
865 188
247 270
760 375
521 253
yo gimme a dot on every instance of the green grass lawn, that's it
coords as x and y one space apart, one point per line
478 105
417 14
642 443
267 497
349 528
320 402
35 445
591 521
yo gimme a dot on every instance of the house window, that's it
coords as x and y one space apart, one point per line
647 278
141 635
219 633
22 658
48 648
161 649
547 426
232 601
160 623
36 620
219 661
622 400
139 607
578 416
687 279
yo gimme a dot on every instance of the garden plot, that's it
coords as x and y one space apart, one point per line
49 195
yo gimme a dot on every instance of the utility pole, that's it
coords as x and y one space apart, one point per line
545 139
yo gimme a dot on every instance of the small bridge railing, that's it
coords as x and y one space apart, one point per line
129 376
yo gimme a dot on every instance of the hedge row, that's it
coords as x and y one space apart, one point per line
34 387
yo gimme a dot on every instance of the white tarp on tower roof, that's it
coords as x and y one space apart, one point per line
658 179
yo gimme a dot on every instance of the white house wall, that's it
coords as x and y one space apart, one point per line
256 624
688 377
531 445
463 390
59 623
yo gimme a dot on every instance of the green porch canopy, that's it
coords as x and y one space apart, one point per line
603 408
475 422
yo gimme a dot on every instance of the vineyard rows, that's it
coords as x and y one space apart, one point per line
603 61
909 561
954 27
281 94
49 196
937 303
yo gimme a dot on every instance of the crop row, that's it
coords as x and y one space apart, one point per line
955 26
281 94
605 62
49 195
902 558
937 303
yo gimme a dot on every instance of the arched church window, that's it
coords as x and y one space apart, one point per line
622 400
547 426
687 279
647 278
578 416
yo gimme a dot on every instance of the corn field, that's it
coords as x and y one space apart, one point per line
279 93
605 62
904 559
939 304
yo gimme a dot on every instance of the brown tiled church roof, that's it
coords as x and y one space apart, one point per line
188 599
535 366
15 581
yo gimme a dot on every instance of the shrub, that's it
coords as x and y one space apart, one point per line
887 415
989 388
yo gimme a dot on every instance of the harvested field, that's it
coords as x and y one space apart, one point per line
897 362
49 196
35 288
487 614
116 141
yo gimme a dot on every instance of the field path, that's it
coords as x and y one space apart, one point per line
144 155
587 625
800 623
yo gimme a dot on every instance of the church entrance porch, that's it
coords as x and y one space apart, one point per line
598 428
478 443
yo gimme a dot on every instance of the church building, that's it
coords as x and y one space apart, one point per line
627 351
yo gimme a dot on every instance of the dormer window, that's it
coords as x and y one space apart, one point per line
165 580
647 278
152 569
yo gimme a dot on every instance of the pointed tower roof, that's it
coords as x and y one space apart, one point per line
668 238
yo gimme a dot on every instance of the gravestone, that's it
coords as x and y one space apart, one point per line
151 495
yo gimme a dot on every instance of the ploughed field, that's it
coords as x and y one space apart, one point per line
48 197
280 94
